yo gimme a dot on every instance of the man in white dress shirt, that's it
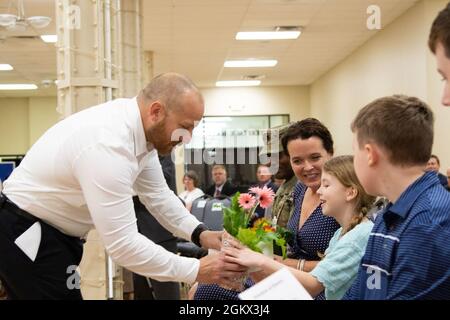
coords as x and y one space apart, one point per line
82 174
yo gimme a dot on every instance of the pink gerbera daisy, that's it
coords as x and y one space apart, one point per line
265 197
246 201
255 190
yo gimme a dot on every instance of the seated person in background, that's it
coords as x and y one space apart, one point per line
191 192
434 165
309 145
146 288
221 186
264 177
448 179
344 199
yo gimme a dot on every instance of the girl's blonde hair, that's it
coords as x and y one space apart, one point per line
342 168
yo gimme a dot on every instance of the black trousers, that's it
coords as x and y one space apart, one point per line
52 274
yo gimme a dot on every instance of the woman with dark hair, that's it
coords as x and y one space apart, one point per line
191 192
309 145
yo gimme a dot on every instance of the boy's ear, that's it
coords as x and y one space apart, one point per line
351 193
372 154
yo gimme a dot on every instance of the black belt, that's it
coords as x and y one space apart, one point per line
11 206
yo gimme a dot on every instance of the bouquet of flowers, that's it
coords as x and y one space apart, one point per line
261 236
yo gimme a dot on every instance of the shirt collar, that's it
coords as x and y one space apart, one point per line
403 205
140 142
220 187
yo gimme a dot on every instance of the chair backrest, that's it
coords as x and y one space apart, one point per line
213 213
198 207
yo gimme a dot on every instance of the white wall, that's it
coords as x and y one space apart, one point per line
395 61
42 115
14 129
23 121
292 100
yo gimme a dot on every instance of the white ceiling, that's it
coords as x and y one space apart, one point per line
195 37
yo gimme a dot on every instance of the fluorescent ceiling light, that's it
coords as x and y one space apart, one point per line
239 83
268 35
49 38
6 67
250 63
14 86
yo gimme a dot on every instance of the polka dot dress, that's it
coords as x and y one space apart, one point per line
214 292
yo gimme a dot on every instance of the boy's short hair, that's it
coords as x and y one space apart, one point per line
440 31
401 125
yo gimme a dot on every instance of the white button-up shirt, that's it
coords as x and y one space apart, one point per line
82 174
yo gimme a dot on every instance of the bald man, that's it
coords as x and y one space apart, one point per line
82 173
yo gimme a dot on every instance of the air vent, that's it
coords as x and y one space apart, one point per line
288 28
253 77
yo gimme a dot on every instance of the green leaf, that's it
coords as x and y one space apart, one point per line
249 239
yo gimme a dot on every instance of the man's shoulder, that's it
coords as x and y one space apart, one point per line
432 207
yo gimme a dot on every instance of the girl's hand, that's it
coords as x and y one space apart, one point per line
244 257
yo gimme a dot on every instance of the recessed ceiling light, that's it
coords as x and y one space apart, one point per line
15 86
49 38
250 63
6 67
268 35
238 83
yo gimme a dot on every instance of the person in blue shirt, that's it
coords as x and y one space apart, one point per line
408 253
343 198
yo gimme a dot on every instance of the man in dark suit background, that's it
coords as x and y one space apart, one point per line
146 288
221 186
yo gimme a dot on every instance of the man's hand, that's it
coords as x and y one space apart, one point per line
211 239
214 269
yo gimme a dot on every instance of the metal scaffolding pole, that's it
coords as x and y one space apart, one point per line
96 65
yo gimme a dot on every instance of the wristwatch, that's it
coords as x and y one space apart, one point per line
195 237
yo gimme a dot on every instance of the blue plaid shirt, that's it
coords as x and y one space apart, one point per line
408 253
